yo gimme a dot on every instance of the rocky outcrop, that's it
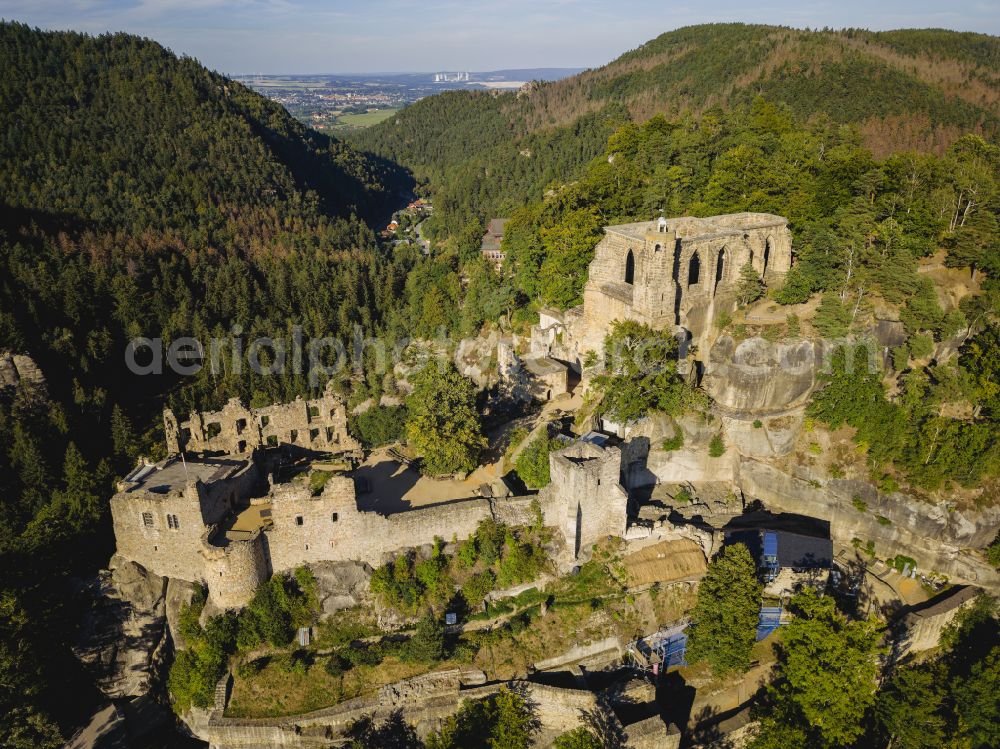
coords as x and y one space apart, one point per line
341 585
18 368
178 595
757 377
123 636
940 539
760 391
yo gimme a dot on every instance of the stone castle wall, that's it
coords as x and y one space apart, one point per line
585 499
164 532
319 424
235 571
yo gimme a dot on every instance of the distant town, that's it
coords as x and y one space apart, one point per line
352 101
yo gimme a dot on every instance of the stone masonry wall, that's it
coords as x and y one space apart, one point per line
585 498
164 531
330 527
234 572
677 272
319 424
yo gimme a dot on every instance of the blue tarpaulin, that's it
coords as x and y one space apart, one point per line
673 649
770 620
770 557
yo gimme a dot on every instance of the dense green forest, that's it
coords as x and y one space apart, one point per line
483 154
861 225
142 195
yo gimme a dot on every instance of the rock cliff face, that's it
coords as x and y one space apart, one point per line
760 390
124 635
938 539
18 368
757 378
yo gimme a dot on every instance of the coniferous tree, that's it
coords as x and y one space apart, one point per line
826 676
749 287
724 621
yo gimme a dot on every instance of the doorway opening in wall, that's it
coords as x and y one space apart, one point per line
298 520
767 255
629 267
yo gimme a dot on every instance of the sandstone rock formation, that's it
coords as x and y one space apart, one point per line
341 585
18 368
124 634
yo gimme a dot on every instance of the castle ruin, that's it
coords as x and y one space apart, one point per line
317 425
674 274
229 523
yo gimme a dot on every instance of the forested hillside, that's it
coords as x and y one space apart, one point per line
143 195
484 154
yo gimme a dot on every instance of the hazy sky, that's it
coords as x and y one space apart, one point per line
313 36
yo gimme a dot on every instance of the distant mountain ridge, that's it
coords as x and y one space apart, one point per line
902 90
119 133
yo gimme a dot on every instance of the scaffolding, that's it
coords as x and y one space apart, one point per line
661 650
768 621
769 560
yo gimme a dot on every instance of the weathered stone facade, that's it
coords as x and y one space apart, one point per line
319 424
186 519
586 498
675 274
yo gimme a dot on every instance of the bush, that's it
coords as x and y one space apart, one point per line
521 562
921 346
427 644
901 357
379 425
716 448
758 424
278 607
366 655
532 465
993 553
676 442
578 738
477 587
250 668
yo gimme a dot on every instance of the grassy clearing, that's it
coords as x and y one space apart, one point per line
278 690
358 121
